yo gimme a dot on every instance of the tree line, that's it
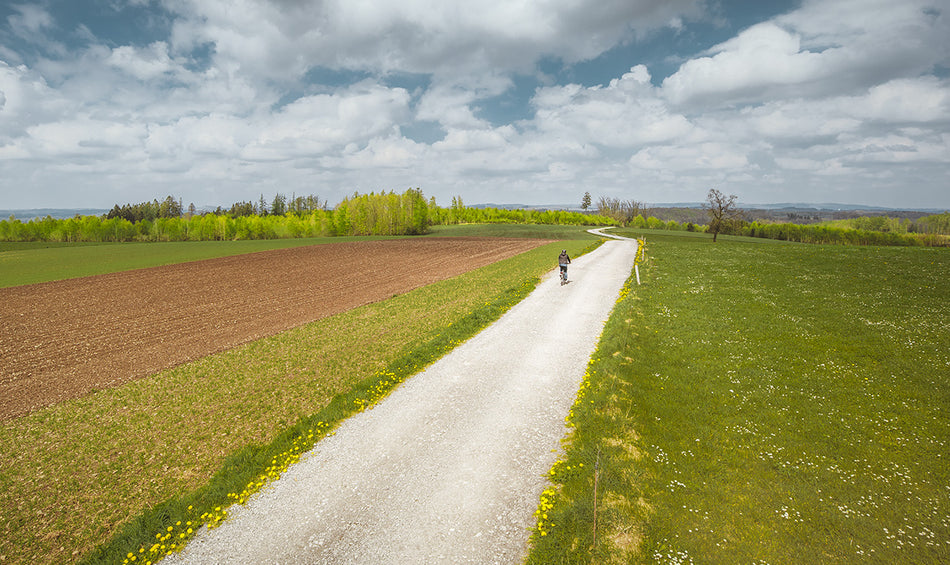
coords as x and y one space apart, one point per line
168 208
370 214
938 224
171 208
726 217
381 213
827 234
410 213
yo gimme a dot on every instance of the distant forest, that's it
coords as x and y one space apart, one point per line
410 213
390 213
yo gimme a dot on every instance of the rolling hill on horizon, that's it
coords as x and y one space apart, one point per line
27 214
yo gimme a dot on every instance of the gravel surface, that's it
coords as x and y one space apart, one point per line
449 467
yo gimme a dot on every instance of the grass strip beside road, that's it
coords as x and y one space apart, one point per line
761 402
120 463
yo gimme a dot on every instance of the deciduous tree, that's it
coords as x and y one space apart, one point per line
624 211
722 211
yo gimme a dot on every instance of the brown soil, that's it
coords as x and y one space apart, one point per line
61 340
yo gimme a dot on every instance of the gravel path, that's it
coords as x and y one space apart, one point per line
449 467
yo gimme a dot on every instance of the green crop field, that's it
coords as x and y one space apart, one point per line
762 402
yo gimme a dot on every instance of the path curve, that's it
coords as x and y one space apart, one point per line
449 467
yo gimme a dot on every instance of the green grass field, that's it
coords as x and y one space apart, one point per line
753 401
762 402
120 465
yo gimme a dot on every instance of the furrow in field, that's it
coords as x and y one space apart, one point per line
63 339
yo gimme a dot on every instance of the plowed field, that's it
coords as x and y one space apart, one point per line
63 339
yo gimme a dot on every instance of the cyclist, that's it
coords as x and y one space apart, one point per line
563 260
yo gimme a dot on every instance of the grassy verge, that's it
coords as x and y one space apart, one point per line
759 402
512 230
126 464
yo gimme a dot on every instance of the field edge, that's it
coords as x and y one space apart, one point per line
254 464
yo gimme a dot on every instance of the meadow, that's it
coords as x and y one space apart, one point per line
756 401
751 401
117 468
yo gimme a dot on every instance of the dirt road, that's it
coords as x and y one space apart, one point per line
449 467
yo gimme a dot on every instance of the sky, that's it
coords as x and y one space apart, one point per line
532 102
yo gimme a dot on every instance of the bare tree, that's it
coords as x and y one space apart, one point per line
630 210
722 211
609 207
624 211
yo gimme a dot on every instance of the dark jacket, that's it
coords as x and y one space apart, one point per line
563 259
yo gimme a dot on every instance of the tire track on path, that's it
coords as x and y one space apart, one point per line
449 467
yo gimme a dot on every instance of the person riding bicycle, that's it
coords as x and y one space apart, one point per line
563 261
